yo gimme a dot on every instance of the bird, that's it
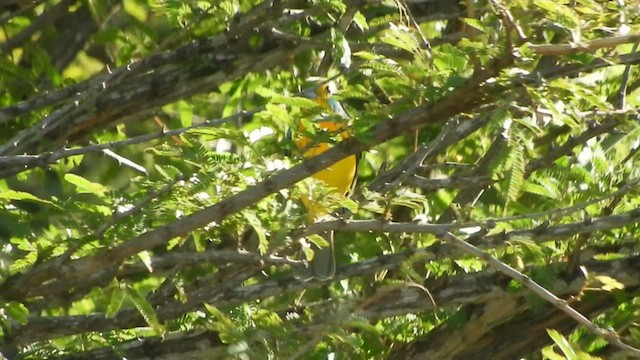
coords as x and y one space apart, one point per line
339 177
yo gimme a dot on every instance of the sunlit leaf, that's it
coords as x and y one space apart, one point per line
85 186
18 312
145 309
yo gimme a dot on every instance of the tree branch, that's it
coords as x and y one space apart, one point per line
587 46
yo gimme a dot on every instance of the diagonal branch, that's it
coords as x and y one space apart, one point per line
587 46
526 281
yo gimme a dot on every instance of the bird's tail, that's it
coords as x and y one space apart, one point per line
323 265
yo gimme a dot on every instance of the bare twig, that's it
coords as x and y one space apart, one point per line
426 46
526 281
391 179
124 161
566 149
508 20
448 183
450 134
470 195
218 257
11 164
538 234
624 82
588 46
137 208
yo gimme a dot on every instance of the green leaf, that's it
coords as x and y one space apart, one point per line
559 12
254 222
216 133
533 188
366 55
534 248
348 204
360 21
549 354
85 186
278 98
400 37
145 309
279 113
18 312
223 324
609 283
24 262
168 172
476 24
186 113
515 174
116 300
23 196
563 344
411 200
318 240
146 260
133 8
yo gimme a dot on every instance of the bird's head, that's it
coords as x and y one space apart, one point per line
322 91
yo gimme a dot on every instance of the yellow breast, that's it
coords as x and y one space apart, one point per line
339 176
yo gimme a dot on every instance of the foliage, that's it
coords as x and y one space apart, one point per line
150 189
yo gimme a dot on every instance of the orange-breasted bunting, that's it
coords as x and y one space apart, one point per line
340 177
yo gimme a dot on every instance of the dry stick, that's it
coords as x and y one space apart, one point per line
117 217
621 100
468 197
149 92
526 281
589 46
50 123
37 330
540 233
448 182
153 62
217 257
137 208
425 43
508 19
401 172
25 162
622 92
125 161
78 91
566 149
451 133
